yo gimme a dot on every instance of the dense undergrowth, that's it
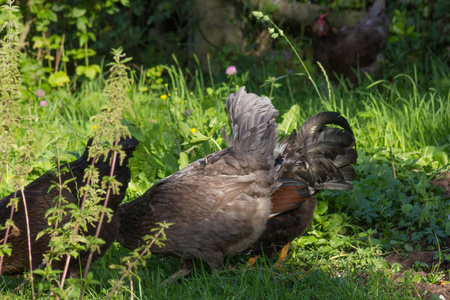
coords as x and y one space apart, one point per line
402 129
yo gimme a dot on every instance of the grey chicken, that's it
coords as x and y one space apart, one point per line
316 157
218 205
39 199
348 49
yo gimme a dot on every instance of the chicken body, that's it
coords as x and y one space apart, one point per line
316 157
352 48
218 205
39 199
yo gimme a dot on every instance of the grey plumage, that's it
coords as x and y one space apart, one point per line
219 205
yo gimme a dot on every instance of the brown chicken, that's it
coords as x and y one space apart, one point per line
39 199
349 49
218 205
315 158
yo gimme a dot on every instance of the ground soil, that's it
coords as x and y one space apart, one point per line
424 264
443 180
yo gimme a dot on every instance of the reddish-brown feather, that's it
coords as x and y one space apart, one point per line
289 197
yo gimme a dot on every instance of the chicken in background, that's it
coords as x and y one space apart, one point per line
316 157
218 205
351 49
39 198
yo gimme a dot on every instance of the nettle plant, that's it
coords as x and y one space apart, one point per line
13 120
68 238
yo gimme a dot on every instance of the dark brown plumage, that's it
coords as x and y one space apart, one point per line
219 204
350 48
39 199
315 158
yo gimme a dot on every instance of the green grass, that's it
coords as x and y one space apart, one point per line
399 121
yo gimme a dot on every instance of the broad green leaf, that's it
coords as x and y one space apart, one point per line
92 71
322 208
80 70
290 119
185 129
78 12
58 79
406 208
198 137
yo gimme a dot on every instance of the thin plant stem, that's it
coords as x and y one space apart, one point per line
4 163
30 255
392 159
299 59
133 264
3 140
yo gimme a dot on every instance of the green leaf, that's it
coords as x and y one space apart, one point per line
78 12
410 30
80 70
127 59
393 39
38 43
52 16
58 79
184 128
92 71
307 240
406 208
408 247
366 114
184 160
441 157
92 36
398 29
322 208
198 137
290 119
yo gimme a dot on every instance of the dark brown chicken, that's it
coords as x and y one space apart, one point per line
218 205
315 158
39 199
349 49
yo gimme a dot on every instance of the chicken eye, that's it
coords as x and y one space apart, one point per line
279 160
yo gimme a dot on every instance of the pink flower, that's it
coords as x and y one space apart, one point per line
43 103
40 93
231 70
